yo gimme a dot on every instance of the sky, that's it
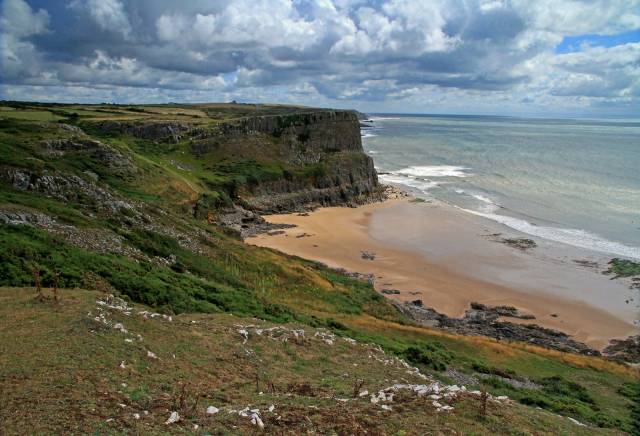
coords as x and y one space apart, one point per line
577 58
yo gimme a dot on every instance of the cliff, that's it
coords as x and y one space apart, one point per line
290 162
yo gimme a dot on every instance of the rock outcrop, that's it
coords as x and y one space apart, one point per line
484 320
157 131
108 157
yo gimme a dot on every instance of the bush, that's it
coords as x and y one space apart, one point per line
431 355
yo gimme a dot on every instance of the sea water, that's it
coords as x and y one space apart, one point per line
576 182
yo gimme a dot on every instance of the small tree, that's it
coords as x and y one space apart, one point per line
36 280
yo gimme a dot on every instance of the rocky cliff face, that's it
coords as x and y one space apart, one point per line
317 154
322 151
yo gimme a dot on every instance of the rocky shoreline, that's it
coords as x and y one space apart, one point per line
482 320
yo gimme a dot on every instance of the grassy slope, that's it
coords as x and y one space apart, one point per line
232 277
61 373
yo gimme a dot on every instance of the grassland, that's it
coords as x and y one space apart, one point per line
57 355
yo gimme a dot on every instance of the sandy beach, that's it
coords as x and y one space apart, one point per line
448 259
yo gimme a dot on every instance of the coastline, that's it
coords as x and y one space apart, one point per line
442 256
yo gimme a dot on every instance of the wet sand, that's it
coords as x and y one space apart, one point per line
446 258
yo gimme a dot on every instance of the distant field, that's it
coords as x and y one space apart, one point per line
7 112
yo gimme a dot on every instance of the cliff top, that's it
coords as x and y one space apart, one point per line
199 113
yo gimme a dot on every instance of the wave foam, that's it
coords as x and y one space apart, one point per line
435 171
574 237
422 185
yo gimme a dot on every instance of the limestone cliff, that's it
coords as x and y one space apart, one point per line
322 151
271 162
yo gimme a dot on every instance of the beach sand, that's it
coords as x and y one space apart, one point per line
447 258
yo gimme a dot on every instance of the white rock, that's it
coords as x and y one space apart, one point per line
121 366
129 341
255 420
174 417
436 404
435 397
196 426
136 416
575 421
151 354
271 408
445 408
502 398
211 410
385 407
363 393
244 334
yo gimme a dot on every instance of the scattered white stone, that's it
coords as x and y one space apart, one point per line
122 405
385 407
136 416
174 417
271 408
326 337
363 393
128 341
196 426
445 408
255 420
121 366
120 326
151 354
244 334
502 398
575 421
124 385
436 404
211 410
109 420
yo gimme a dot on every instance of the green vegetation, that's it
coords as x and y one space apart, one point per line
176 263
623 268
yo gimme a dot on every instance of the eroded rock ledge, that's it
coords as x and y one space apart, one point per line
485 321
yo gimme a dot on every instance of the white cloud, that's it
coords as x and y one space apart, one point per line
19 57
109 15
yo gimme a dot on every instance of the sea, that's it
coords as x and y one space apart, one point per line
574 182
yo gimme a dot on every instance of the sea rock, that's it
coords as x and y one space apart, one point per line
483 320
624 350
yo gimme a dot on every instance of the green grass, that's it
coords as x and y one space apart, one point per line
75 384
31 115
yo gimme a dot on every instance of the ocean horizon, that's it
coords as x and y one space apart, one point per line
571 181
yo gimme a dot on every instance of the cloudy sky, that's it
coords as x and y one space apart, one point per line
520 57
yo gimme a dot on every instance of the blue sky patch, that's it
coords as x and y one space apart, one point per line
571 44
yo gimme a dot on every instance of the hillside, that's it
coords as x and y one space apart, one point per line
149 203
